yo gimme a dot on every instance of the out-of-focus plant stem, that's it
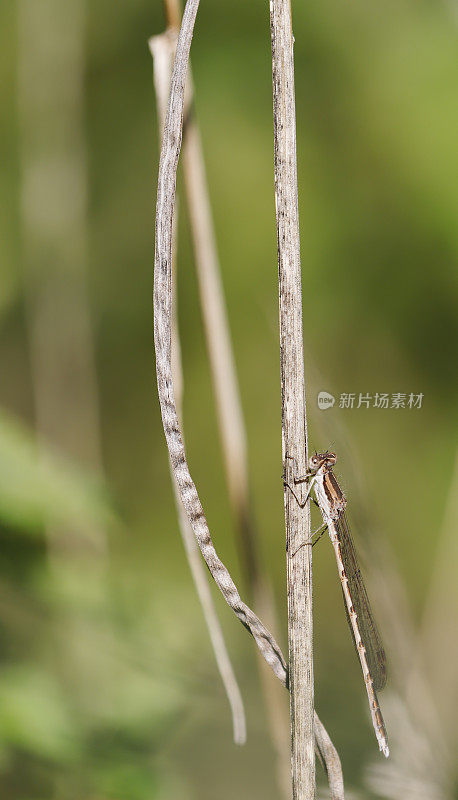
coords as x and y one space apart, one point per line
162 49
233 433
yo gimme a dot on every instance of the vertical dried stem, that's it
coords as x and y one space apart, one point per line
294 432
173 14
162 49
230 415
225 385
325 748
228 402
162 299
233 437
231 425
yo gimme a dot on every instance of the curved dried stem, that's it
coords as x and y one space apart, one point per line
162 338
235 454
162 49
330 760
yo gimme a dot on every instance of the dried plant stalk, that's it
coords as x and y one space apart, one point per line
162 338
329 757
162 49
294 430
233 437
231 424
325 749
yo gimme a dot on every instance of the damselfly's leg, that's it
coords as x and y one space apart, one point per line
322 529
302 502
296 480
302 478
284 474
288 485
318 533
291 458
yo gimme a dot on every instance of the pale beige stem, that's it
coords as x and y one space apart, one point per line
162 49
234 447
294 422
230 420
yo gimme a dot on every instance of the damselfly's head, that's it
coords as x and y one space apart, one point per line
319 460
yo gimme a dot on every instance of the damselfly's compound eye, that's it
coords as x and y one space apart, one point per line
313 462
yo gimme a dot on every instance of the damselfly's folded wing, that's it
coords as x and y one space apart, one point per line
375 653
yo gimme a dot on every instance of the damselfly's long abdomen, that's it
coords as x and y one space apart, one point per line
369 648
372 642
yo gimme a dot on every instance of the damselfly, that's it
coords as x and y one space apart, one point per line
332 502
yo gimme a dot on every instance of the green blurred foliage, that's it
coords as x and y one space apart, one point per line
38 490
108 688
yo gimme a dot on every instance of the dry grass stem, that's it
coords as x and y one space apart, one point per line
235 454
162 337
230 417
294 431
330 760
233 437
230 421
163 49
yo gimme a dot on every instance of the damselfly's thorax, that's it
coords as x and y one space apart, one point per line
329 494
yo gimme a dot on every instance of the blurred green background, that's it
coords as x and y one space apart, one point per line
108 686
